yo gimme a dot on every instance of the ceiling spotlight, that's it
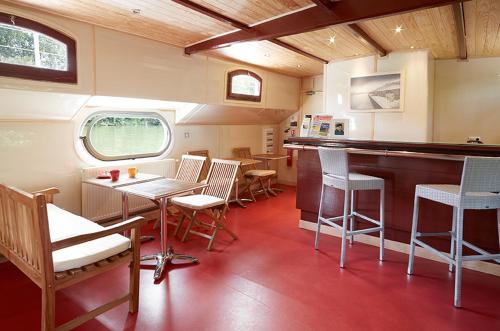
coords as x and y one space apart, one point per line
267 55
412 47
299 65
136 11
331 40
398 29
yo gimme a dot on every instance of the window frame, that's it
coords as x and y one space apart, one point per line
85 135
35 73
238 96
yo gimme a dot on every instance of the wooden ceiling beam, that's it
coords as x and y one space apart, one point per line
314 18
459 15
366 37
242 26
325 4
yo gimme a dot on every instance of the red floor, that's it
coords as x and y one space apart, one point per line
270 279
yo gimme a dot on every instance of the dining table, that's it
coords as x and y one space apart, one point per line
243 163
124 180
160 191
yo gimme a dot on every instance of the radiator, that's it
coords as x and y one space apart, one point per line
99 203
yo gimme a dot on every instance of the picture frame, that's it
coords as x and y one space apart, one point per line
340 128
377 93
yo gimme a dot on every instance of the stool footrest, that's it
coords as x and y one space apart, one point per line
349 233
443 255
366 218
434 234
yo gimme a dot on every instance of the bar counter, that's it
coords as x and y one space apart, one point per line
402 165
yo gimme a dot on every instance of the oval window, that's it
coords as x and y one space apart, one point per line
121 136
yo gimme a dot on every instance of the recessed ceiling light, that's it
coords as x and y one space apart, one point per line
299 65
412 47
398 29
136 11
331 40
267 55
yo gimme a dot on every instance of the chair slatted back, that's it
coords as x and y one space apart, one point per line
334 161
190 168
244 153
221 178
206 165
480 174
24 232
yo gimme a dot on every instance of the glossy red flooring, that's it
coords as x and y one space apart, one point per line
270 279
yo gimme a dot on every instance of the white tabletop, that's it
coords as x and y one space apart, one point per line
161 188
124 180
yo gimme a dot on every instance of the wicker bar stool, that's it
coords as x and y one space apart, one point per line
335 169
479 189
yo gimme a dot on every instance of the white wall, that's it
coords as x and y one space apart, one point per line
413 124
41 154
467 100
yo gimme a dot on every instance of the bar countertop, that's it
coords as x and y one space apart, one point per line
434 150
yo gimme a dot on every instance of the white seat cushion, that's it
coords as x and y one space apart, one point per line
63 224
450 195
198 201
260 173
356 182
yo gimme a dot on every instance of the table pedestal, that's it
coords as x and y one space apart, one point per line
166 255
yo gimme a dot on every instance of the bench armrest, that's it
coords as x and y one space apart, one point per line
49 193
133 223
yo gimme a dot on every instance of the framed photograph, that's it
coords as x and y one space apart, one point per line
381 92
340 129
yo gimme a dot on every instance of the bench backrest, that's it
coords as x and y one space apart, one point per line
24 232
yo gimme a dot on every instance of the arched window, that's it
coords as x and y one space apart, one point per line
111 136
244 85
31 50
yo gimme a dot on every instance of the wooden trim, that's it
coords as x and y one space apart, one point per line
365 36
42 74
315 18
211 13
459 15
242 26
242 97
297 50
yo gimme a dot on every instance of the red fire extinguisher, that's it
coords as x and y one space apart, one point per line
289 160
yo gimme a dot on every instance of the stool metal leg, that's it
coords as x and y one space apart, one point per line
413 235
498 221
453 235
458 258
381 220
344 226
318 229
351 227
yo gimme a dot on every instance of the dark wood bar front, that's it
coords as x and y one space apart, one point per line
402 166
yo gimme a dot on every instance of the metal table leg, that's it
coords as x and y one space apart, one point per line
166 254
237 199
125 217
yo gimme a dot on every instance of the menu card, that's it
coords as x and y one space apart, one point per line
321 126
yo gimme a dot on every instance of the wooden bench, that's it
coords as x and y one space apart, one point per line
79 249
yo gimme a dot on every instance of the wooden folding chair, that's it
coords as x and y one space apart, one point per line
189 171
26 229
212 201
206 165
253 175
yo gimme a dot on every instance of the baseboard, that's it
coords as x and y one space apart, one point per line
287 182
489 268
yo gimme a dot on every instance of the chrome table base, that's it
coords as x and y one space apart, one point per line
164 258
